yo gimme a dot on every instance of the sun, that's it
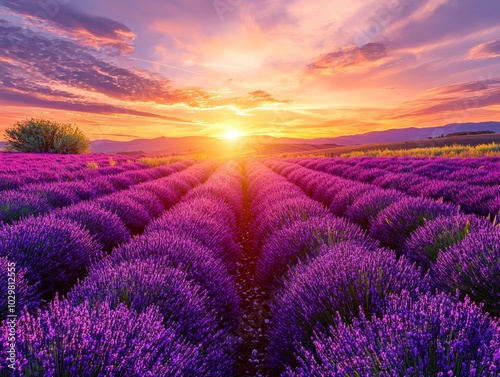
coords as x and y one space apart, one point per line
232 134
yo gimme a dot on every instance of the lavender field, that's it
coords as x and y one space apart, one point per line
363 266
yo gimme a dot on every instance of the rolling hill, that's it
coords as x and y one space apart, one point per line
263 144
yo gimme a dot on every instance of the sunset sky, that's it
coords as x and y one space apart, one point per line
125 69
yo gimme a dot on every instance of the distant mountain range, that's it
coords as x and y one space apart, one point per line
250 144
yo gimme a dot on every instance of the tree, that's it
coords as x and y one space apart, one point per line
45 136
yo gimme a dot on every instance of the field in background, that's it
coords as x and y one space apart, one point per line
478 145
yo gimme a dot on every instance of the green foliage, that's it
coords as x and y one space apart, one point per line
481 150
45 136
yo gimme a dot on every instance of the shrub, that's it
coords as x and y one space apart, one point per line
436 235
140 284
300 241
366 208
433 336
393 225
347 279
55 252
15 205
96 340
473 267
26 293
45 136
171 249
104 226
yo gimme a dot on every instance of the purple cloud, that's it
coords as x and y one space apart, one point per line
485 50
32 100
106 32
454 18
348 56
457 98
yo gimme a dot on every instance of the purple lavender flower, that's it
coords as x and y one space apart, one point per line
11 181
213 229
201 266
494 206
427 241
102 186
25 293
55 252
153 205
57 195
434 336
15 205
367 206
133 214
473 267
96 340
394 224
347 279
299 241
121 181
278 215
104 226
139 284
181 302
345 198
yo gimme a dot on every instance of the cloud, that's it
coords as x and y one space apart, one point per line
32 100
35 63
60 62
350 56
485 50
451 19
93 30
256 99
459 99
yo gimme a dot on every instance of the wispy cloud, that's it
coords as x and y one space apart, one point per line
348 57
485 50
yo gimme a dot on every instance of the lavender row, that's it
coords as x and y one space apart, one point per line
170 279
317 267
347 285
482 171
433 335
421 229
476 188
51 252
37 199
55 175
18 169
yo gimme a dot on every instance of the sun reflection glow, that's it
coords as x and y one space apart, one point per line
232 134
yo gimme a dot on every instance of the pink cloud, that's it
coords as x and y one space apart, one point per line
347 57
485 50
